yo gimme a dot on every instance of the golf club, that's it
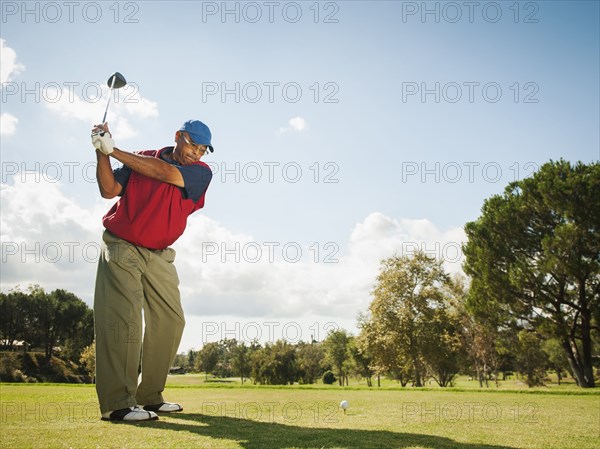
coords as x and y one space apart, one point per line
115 81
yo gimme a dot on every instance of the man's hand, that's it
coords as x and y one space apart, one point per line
103 142
102 139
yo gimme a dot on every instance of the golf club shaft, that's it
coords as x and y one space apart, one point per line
109 95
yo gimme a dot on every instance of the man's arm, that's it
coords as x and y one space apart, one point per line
109 187
149 166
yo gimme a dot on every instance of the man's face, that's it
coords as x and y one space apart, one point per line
186 151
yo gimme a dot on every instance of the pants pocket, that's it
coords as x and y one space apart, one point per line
118 250
167 254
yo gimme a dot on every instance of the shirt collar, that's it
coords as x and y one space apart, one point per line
168 151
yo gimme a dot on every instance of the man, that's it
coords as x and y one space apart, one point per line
158 190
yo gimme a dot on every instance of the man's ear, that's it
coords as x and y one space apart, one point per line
177 134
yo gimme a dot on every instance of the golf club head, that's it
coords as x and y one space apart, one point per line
118 81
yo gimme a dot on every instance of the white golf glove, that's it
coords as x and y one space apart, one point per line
103 143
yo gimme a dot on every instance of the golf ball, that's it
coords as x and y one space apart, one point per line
344 405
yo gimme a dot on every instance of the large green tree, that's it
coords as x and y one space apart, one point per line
407 329
534 255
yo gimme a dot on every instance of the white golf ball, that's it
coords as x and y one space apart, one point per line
344 405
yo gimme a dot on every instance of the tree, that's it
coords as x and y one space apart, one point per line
309 357
240 360
71 325
531 359
535 254
505 344
191 359
46 321
484 339
208 357
444 352
362 360
78 325
181 360
335 346
30 331
274 364
56 318
398 326
45 310
259 361
384 357
365 344
12 317
224 366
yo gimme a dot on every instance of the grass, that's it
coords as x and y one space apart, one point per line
64 416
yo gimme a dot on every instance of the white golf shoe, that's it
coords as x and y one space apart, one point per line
131 414
165 407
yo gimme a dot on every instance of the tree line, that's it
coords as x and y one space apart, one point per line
419 327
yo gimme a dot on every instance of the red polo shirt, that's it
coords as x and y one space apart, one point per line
152 213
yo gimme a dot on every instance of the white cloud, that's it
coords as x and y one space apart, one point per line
379 236
8 124
297 124
9 67
213 282
46 237
126 105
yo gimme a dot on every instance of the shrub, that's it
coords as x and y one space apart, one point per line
328 377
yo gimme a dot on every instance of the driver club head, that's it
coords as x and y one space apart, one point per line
116 81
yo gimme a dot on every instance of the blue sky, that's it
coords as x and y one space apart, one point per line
354 162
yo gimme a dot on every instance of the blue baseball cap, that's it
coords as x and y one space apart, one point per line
199 133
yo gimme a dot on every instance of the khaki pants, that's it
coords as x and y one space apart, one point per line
131 279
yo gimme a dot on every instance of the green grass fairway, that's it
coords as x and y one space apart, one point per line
65 416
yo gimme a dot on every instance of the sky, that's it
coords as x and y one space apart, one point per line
344 133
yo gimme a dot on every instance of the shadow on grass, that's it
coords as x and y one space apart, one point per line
263 435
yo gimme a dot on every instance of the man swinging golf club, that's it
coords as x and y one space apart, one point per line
158 190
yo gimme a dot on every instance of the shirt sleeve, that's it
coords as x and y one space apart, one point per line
122 175
196 179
